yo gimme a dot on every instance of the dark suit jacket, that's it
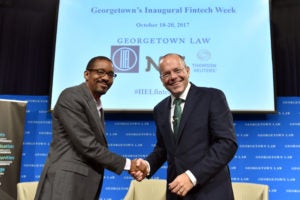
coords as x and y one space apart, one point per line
78 153
206 144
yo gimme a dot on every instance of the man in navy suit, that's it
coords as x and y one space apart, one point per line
198 156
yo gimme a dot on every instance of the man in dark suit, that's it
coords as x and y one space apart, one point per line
78 155
198 155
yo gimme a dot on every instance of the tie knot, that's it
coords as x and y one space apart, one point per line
177 101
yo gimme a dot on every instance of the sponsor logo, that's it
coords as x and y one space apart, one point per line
125 58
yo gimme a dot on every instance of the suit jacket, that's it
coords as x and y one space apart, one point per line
78 153
206 143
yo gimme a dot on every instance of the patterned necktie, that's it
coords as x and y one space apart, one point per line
176 116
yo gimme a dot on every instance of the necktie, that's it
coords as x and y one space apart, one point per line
176 116
102 117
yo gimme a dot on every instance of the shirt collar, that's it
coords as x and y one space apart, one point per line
98 104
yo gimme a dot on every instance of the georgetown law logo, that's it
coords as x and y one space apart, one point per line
125 58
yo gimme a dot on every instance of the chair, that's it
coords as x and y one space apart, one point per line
26 190
147 190
156 189
250 191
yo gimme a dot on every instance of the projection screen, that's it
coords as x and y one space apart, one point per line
226 44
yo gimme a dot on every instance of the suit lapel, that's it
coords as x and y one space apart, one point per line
188 108
93 109
165 122
100 122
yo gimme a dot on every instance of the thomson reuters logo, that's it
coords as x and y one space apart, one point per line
203 55
125 58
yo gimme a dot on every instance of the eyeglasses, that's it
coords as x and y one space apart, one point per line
101 73
167 75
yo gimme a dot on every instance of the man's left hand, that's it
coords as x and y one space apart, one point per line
181 185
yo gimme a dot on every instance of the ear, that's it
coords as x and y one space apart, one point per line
86 75
188 70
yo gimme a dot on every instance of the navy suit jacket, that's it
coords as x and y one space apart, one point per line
206 143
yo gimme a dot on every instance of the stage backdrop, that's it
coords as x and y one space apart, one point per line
269 146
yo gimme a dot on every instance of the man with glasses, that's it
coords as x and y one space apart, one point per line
79 152
195 136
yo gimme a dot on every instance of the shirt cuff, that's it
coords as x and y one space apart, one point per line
127 164
192 177
148 167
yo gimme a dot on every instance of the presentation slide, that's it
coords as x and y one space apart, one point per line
226 44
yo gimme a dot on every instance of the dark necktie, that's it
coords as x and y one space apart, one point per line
177 115
102 117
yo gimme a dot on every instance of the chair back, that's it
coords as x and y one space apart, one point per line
250 191
26 190
147 190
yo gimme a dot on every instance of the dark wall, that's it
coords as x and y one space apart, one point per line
27 32
285 18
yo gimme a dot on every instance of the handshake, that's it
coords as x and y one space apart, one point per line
180 186
139 169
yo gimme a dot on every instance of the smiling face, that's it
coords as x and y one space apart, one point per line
97 82
174 74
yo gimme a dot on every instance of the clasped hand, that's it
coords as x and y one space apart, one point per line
181 185
138 169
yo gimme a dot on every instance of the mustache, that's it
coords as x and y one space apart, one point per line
104 82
